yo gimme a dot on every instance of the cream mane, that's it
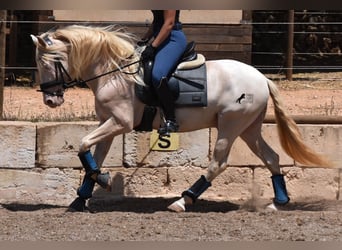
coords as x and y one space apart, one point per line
88 45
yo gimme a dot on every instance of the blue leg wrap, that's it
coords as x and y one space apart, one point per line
90 166
279 187
85 191
197 189
88 162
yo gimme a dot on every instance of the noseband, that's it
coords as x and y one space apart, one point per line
59 81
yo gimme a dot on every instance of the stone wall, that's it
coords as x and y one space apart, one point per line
39 165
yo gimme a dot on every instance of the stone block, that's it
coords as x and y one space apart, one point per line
58 144
49 186
233 184
325 140
135 182
313 183
241 155
18 144
302 183
262 184
193 150
340 189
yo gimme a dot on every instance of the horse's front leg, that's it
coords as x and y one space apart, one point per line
102 137
92 166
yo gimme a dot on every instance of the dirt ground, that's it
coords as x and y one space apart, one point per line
147 219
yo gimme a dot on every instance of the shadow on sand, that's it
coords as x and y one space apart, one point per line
151 205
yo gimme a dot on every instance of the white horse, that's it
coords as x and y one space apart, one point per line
105 59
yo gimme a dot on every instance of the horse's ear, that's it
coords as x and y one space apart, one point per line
38 41
34 40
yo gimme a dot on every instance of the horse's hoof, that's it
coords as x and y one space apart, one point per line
177 207
276 207
78 205
272 207
104 181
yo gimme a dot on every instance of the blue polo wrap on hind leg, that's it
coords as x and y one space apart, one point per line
197 189
86 189
279 187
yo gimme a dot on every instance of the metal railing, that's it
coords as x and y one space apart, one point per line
269 46
317 41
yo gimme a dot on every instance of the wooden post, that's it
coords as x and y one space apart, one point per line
289 56
2 58
12 45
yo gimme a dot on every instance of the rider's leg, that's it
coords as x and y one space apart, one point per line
166 59
168 105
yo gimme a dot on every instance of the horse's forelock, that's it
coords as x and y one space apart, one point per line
50 53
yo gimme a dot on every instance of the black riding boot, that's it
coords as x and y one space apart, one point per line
168 105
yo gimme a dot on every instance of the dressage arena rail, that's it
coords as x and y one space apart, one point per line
39 164
309 119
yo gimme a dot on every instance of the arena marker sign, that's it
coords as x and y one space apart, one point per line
165 143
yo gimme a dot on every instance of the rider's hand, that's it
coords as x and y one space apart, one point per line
142 42
148 54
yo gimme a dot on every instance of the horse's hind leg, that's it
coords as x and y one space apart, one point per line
227 132
252 136
216 166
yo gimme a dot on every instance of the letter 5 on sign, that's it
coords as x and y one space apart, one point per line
165 143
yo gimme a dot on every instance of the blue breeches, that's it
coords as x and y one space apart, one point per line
168 55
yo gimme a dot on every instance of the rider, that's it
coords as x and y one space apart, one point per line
168 45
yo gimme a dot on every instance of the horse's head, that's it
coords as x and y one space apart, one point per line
80 52
51 60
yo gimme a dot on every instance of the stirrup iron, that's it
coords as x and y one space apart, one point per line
169 127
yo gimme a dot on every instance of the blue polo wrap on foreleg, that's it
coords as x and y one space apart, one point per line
86 189
88 162
197 188
279 187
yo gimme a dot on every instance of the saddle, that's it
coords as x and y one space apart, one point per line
187 82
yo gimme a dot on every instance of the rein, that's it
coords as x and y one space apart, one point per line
71 83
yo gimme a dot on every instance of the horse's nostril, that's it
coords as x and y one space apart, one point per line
49 102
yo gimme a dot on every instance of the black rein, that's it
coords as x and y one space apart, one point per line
71 83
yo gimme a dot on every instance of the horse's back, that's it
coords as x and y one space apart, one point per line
229 80
237 94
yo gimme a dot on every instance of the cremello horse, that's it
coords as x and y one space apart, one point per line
106 60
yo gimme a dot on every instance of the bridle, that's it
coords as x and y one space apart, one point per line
60 71
60 81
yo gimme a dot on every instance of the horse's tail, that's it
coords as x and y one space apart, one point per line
290 137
